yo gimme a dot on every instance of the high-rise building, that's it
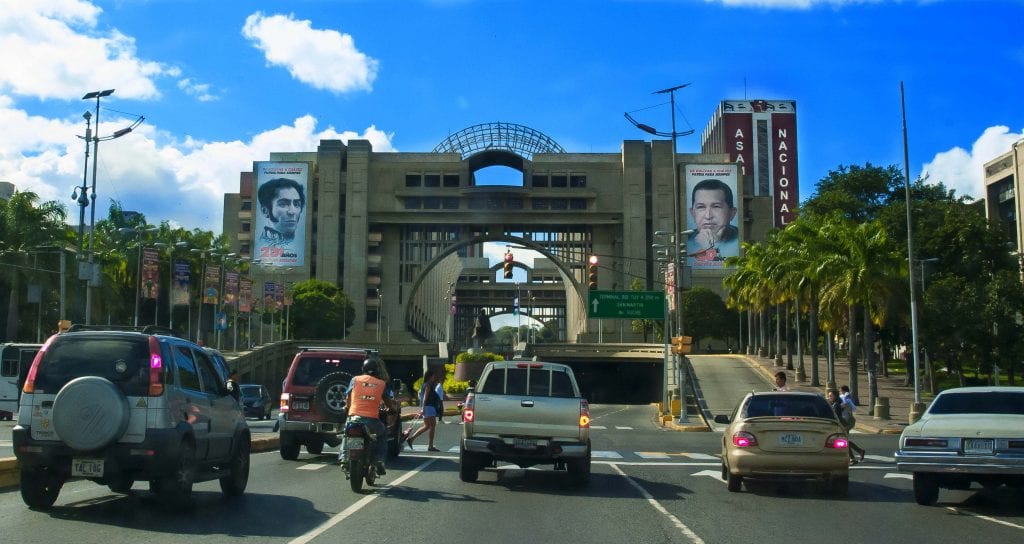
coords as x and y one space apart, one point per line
1003 176
760 137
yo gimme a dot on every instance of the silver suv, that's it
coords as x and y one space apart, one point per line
119 406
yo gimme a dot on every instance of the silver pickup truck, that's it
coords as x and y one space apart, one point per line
526 413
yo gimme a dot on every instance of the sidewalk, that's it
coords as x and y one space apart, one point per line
900 397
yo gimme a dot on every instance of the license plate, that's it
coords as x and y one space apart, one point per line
87 468
791 439
300 405
353 443
978 445
524 443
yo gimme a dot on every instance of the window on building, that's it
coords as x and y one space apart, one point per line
577 204
577 180
246 205
451 180
540 180
246 226
450 203
541 204
432 180
413 180
559 204
560 180
432 203
477 203
413 203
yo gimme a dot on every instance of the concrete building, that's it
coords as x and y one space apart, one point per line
403 233
1003 176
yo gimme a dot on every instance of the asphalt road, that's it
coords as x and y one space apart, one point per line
649 485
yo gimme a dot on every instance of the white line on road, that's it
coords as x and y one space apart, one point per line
902 475
357 506
651 455
702 456
618 428
657 506
598 427
606 454
986 518
312 466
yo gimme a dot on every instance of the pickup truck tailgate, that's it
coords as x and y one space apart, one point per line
512 415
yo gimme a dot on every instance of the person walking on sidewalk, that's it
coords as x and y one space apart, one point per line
431 407
847 420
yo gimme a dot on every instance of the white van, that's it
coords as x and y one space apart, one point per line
15 360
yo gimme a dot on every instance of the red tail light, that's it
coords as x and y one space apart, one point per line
584 415
837 441
30 380
156 368
467 409
743 439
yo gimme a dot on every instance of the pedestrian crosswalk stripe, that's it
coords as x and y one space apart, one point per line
623 428
652 455
606 454
701 456
312 466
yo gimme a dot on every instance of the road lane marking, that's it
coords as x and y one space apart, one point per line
651 455
606 454
902 475
716 474
598 427
657 506
986 518
312 466
702 456
618 428
358 505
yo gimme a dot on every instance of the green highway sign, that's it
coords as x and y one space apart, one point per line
626 305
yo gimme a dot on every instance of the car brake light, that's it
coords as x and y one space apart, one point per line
926 443
284 401
743 439
529 365
467 409
837 441
584 415
156 368
30 380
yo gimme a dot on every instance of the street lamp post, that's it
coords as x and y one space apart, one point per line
917 408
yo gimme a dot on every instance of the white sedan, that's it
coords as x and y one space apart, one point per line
968 434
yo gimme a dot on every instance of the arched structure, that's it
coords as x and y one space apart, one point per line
498 144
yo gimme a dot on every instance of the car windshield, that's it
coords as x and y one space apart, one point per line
122 360
982 402
250 391
309 370
788 406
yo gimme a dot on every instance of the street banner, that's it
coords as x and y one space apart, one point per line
180 286
230 288
288 299
245 295
278 296
150 273
713 205
211 284
268 296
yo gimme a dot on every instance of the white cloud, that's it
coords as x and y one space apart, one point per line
325 59
199 90
51 49
180 181
963 170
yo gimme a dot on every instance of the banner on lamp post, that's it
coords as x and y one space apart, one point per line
245 295
230 288
211 284
150 273
180 286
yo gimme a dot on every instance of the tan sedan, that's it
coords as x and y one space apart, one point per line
782 436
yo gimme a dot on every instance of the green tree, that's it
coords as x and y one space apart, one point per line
25 225
644 326
706 315
320 310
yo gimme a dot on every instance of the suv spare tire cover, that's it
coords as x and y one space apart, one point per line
330 396
90 412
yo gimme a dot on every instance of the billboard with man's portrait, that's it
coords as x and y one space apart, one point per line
279 206
712 212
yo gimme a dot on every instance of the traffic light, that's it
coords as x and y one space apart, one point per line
507 266
592 273
682 344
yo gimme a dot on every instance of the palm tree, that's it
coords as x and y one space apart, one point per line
25 226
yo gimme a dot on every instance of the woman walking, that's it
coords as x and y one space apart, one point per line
431 407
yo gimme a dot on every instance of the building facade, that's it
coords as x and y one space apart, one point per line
1003 176
403 233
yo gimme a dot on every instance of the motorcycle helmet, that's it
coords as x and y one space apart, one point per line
371 367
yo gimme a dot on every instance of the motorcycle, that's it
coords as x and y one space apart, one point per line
358 463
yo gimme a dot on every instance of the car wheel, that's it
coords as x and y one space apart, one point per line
330 396
289 447
926 489
315 447
121 484
176 488
733 482
840 486
469 466
234 483
40 487
89 413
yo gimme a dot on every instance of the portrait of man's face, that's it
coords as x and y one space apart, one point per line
285 210
711 210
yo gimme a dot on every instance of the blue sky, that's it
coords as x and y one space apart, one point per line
222 84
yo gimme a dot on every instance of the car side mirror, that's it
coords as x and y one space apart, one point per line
722 418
